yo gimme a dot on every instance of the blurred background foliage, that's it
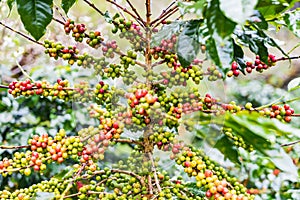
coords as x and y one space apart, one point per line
23 117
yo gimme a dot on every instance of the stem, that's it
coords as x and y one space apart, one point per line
22 34
172 11
164 12
59 21
154 172
295 47
130 141
94 7
4 87
136 12
288 58
291 143
23 71
128 12
14 147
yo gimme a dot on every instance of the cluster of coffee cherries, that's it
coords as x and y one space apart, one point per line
238 141
28 88
24 88
209 176
258 65
140 101
162 137
213 73
180 75
165 49
129 59
57 50
103 93
131 31
283 113
129 76
77 30
109 49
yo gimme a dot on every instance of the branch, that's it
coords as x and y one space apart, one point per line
288 58
130 141
164 12
172 11
154 172
136 12
14 147
148 12
291 143
4 86
94 7
22 34
128 12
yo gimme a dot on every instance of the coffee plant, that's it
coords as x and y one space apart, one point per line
151 88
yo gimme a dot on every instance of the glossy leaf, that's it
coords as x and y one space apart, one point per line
67 4
294 84
35 15
217 22
238 10
226 147
292 20
165 33
66 173
188 46
192 188
271 8
10 3
212 51
255 43
259 20
192 7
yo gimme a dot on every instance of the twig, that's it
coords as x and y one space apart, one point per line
127 11
94 7
22 34
148 12
136 12
4 86
59 21
130 141
167 16
61 15
291 143
23 71
154 172
164 12
288 58
14 147
150 184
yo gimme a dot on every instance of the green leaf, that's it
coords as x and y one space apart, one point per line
192 187
238 10
66 173
107 17
272 8
255 42
217 22
259 20
35 15
292 20
212 51
294 84
191 7
228 149
165 33
284 162
67 4
44 196
188 46
10 3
